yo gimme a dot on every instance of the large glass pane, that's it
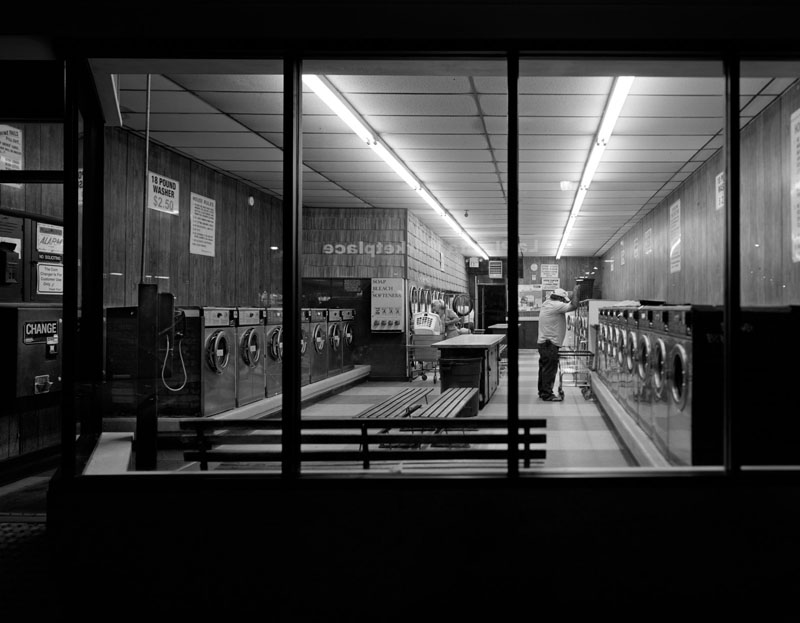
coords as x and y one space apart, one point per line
620 170
769 227
404 201
193 247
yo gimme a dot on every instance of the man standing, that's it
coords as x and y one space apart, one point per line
552 328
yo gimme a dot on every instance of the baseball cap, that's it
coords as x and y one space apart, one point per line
561 292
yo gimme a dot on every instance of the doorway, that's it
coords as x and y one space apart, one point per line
491 305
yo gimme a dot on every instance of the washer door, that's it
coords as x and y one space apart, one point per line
630 352
334 335
318 338
250 347
679 376
347 335
659 367
217 352
622 343
643 355
275 345
303 342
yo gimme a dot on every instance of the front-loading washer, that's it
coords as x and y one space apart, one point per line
643 369
273 347
334 341
348 338
249 326
218 377
630 317
319 345
305 346
661 343
695 427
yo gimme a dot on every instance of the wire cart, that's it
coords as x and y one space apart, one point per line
424 358
574 370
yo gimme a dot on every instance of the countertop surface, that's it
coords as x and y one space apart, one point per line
484 340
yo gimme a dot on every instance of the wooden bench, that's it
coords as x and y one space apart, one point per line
401 404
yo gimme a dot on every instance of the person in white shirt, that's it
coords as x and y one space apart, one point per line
552 328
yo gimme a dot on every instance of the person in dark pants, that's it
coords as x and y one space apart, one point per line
552 328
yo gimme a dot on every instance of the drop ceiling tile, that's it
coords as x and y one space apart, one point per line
261 123
459 178
678 86
332 141
756 105
670 126
334 166
400 124
543 141
674 106
354 177
209 139
443 155
400 84
638 167
182 123
334 155
686 142
404 104
229 82
244 103
224 153
436 141
553 155
164 102
565 85
652 155
627 176
549 125
138 82
548 177
575 166
557 105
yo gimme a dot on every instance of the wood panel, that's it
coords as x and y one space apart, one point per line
791 269
134 213
225 266
115 223
275 229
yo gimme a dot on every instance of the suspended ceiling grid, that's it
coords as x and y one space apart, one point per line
449 127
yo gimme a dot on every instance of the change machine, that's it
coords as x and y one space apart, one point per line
37 333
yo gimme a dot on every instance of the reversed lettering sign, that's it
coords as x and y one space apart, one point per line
794 188
675 237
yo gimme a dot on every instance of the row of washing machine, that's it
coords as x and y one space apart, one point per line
664 366
213 359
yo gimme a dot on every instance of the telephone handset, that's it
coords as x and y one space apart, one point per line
171 328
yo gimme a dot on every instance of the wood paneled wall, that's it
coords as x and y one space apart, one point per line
569 269
42 150
432 263
769 277
645 274
243 270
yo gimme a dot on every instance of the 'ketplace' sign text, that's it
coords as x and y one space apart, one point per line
365 248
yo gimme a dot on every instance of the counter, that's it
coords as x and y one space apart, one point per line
485 347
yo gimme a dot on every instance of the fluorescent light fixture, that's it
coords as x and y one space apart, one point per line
332 101
619 93
325 91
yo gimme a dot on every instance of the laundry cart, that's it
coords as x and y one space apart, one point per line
575 370
426 329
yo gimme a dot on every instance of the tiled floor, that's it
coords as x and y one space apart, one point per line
578 433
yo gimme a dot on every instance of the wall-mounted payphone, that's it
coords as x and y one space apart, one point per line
37 335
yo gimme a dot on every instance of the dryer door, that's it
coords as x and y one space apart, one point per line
217 352
347 335
334 336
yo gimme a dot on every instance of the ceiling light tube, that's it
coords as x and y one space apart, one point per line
394 163
333 102
619 93
328 95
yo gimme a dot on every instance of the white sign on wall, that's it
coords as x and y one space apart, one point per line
636 248
675 237
648 241
795 185
388 304
549 271
202 236
49 278
720 186
495 269
163 193
10 150
622 253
